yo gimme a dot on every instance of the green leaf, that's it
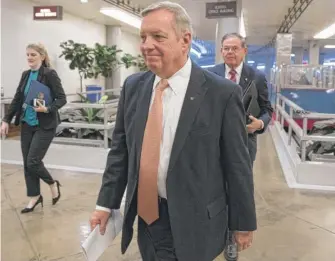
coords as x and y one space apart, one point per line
83 98
103 99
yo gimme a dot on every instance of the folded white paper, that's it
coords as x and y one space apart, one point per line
95 244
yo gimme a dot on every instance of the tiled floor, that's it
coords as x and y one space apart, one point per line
294 225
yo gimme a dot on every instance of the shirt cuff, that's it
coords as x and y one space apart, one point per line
103 209
262 127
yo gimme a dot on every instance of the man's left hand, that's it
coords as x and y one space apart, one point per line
41 108
243 239
255 124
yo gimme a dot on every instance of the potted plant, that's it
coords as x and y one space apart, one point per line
81 57
140 63
108 59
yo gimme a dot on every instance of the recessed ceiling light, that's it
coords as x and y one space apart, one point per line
122 16
326 33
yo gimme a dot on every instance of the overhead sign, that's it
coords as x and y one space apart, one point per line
221 9
48 12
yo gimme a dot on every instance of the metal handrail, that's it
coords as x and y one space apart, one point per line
290 103
106 126
295 127
316 115
106 107
301 133
300 76
117 90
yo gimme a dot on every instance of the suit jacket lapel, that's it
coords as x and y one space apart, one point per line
195 94
145 88
245 77
223 69
40 77
40 74
24 81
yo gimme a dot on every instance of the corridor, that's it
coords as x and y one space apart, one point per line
293 225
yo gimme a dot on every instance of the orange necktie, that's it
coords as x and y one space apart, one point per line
147 205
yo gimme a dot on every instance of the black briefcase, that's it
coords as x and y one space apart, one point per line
250 102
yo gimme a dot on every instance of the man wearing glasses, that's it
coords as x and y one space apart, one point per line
234 50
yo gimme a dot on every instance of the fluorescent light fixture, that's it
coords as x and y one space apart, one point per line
326 33
201 47
84 1
207 66
122 16
292 55
260 67
330 46
195 52
242 26
251 62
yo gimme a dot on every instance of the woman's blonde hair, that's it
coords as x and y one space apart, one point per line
42 51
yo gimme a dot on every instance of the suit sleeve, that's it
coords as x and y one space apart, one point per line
263 101
237 166
57 90
14 106
115 177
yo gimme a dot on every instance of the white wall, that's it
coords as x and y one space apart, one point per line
130 44
19 29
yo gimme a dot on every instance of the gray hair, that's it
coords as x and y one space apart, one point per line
182 19
234 35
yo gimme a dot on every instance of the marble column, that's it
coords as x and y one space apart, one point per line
114 37
314 53
283 49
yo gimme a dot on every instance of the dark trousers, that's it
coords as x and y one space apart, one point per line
35 142
155 241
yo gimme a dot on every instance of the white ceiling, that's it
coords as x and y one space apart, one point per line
263 17
317 16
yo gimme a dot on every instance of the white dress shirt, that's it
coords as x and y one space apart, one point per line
173 99
238 70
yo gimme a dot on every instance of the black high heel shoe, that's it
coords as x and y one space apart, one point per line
55 200
27 210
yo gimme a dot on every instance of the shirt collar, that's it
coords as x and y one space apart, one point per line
238 69
183 74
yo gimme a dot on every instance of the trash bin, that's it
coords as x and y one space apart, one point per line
93 97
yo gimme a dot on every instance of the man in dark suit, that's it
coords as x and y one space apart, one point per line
233 52
180 148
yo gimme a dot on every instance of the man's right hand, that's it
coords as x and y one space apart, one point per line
243 239
99 217
4 128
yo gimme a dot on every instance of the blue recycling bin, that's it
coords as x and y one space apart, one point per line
93 97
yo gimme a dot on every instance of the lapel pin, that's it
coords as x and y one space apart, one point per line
191 98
